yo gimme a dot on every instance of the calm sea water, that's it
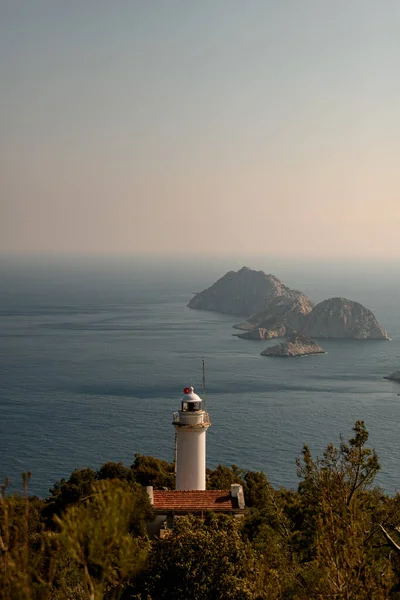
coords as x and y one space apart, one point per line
94 356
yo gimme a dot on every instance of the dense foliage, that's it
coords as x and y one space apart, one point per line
336 537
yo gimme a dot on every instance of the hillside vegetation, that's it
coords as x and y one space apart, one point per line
336 536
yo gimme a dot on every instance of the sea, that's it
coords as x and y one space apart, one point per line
95 353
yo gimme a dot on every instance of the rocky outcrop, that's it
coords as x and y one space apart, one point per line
394 376
263 334
242 292
282 316
342 318
295 345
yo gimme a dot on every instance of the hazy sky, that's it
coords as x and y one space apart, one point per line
212 126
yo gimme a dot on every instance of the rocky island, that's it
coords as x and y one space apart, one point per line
394 376
273 310
295 345
343 318
243 293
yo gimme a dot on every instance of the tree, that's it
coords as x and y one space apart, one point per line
153 471
337 521
27 565
113 470
95 534
257 489
348 470
203 560
222 477
65 493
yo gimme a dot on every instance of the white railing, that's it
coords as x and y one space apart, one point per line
191 418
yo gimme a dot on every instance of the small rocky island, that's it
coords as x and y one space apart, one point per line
295 345
273 310
394 376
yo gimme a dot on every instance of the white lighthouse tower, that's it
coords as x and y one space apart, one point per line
191 424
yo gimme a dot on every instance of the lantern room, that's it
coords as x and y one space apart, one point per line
191 402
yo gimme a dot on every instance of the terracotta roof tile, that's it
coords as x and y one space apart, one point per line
194 500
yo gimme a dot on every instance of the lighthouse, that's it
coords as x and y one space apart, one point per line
190 496
191 423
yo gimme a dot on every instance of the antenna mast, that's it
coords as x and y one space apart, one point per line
204 382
